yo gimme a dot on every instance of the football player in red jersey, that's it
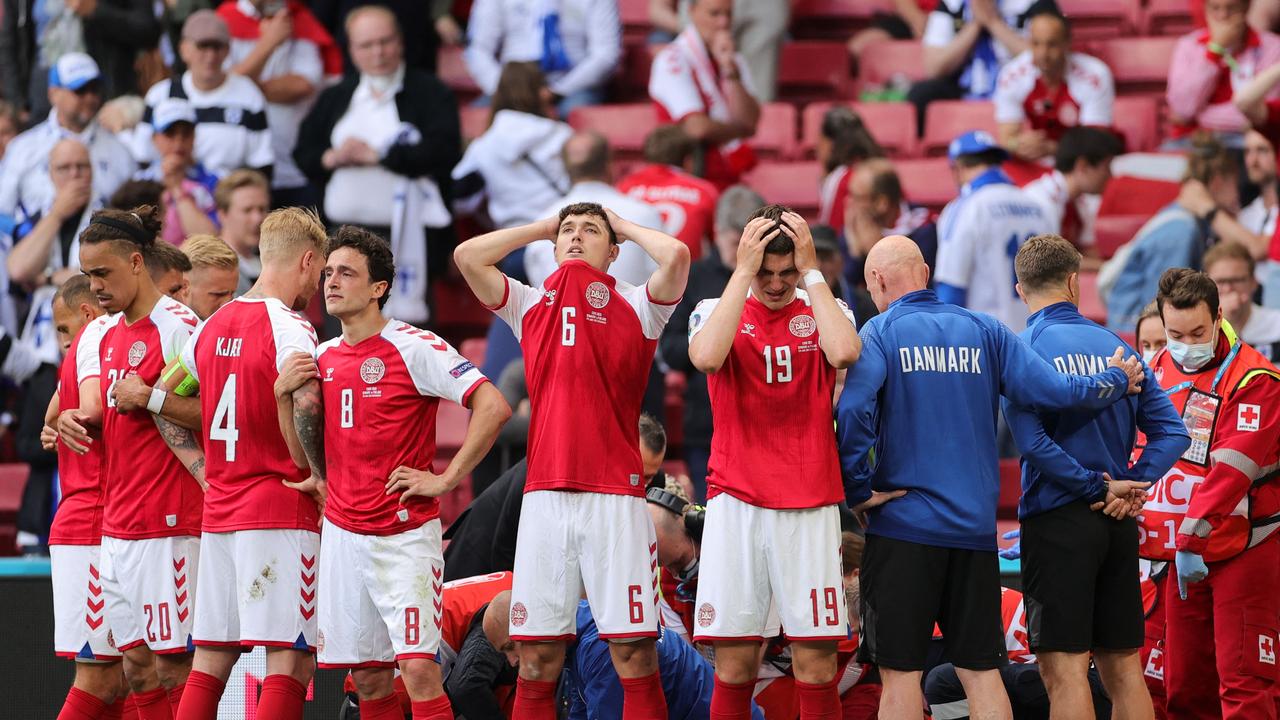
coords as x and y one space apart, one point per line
251 520
153 468
382 559
771 543
588 342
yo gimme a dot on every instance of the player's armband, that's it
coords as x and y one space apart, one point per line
189 385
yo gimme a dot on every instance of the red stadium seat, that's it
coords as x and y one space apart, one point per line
1170 18
451 426
1091 305
452 71
1138 120
881 62
625 126
1136 196
927 182
892 124
790 183
947 119
474 121
833 19
1098 19
473 350
809 71
635 18
776 133
1112 231
1140 65
631 83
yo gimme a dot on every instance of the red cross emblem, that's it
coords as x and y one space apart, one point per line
1249 417
1266 650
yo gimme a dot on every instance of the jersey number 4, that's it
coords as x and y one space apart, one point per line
223 427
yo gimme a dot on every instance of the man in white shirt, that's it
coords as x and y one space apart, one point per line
75 91
586 159
578 43
231 131
1259 216
1232 269
1048 89
701 82
1071 193
284 50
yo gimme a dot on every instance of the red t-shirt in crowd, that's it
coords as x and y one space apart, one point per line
686 203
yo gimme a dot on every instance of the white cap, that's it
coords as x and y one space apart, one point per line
170 111
73 71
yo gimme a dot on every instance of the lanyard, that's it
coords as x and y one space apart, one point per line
1221 371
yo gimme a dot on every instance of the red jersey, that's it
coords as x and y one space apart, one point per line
149 492
79 517
463 598
588 343
686 203
1084 97
236 356
380 399
775 370
833 195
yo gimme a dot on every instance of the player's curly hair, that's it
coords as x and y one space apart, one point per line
137 229
590 208
780 245
376 250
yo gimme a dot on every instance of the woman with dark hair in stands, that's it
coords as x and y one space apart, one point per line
843 143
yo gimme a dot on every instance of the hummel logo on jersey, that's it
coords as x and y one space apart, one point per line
550 296
328 374
748 329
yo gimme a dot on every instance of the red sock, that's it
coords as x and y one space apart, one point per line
115 711
387 708
535 700
281 697
153 705
643 699
818 702
200 697
435 709
731 701
175 697
81 705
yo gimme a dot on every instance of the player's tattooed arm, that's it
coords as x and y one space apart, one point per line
182 442
308 423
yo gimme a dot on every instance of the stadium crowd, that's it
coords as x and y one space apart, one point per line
944 389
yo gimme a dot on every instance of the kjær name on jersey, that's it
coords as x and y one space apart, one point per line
228 347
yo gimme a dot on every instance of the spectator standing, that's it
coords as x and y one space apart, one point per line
758 30
1208 64
686 203
515 164
1232 269
35 34
1214 515
576 43
586 159
965 44
876 208
46 246
1048 89
701 82
75 91
232 132
391 132
707 279
416 14
843 143
243 199
979 233
1177 236
1071 193
290 56
188 203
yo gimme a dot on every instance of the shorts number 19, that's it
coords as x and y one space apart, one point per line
829 604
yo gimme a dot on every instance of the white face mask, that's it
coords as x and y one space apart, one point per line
1149 355
1193 356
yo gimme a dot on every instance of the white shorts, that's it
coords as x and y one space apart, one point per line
80 628
761 566
259 588
569 542
150 587
381 597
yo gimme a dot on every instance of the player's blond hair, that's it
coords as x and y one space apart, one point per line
288 232
209 251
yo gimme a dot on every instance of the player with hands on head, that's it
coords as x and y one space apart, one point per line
1079 538
382 558
767 344
923 394
588 342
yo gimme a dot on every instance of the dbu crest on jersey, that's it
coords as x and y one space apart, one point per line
802 326
706 615
137 351
597 295
519 615
372 370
